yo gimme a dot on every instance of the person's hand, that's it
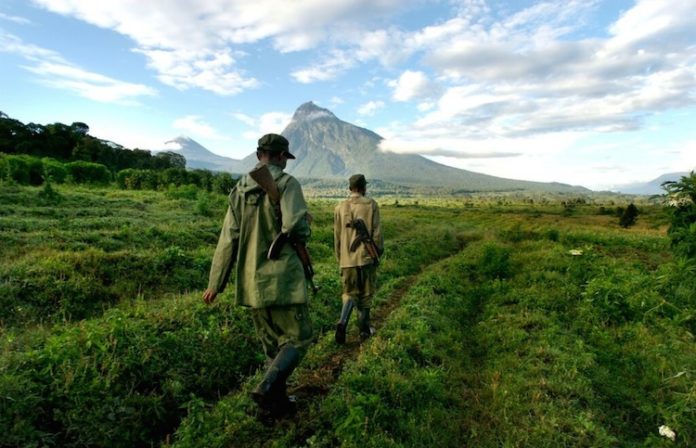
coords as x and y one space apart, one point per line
209 296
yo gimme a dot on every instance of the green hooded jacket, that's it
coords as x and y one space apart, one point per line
247 232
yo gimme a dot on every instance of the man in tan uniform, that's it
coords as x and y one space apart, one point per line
358 243
275 290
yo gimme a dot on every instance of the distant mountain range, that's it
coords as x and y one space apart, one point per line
652 187
331 149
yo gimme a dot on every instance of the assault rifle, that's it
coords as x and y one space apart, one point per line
363 236
263 177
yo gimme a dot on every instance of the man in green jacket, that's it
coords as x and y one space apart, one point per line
358 244
274 289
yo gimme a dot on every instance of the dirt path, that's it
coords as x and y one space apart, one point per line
318 382
314 384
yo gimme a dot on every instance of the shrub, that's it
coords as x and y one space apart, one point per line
682 207
54 170
629 216
137 179
223 183
48 195
495 262
88 173
26 170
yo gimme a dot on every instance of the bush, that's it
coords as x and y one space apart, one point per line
682 207
25 170
629 216
54 170
223 183
495 262
88 173
136 179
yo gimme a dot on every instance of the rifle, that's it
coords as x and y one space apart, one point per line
263 177
363 236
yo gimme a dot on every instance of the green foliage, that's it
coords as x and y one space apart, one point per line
88 173
497 325
48 195
24 170
495 262
175 181
121 380
54 170
629 216
682 231
72 143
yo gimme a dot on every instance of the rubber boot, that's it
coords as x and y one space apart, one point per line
271 394
342 324
366 331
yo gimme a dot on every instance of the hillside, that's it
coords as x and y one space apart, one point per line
328 148
652 187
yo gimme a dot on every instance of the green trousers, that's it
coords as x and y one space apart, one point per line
360 284
280 325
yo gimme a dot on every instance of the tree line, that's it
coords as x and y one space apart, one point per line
31 154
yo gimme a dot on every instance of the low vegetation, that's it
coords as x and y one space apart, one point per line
502 322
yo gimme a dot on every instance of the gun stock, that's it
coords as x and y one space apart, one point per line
263 177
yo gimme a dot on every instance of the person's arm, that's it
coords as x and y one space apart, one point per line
337 233
293 210
377 235
225 255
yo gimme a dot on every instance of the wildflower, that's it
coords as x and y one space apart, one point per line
666 431
575 252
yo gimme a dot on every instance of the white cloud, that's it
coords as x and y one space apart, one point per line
180 37
271 122
244 118
370 108
207 70
519 78
686 158
335 63
54 71
15 19
654 24
410 85
194 125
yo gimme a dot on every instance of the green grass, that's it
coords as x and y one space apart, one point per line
511 324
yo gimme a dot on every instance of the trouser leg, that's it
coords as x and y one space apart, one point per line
270 394
342 324
366 330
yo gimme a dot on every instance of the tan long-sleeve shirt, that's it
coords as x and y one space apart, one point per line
356 207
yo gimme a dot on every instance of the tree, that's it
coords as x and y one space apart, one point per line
629 216
681 200
168 159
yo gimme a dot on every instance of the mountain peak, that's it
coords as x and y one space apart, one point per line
310 111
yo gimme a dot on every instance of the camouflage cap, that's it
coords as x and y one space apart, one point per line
275 143
357 182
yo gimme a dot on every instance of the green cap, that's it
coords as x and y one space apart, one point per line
357 182
275 143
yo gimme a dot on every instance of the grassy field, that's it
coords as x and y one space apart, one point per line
502 322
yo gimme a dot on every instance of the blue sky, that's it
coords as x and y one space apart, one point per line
593 93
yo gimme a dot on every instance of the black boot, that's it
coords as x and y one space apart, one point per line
270 394
342 324
366 330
